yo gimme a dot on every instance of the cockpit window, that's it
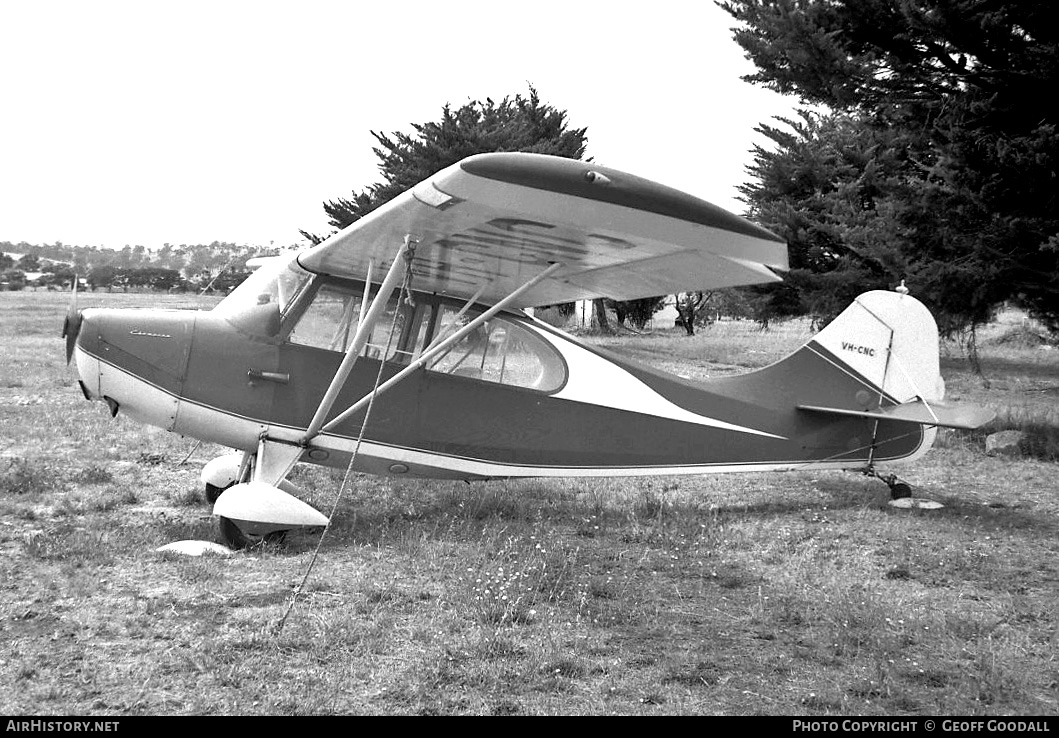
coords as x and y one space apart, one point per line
260 302
327 313
499 350
331 319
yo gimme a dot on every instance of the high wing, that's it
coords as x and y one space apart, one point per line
494 221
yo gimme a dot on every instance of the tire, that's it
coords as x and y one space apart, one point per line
234 537
900 490
213 492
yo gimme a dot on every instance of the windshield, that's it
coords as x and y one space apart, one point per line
258 304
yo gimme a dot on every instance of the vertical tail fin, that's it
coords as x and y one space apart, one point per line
890 340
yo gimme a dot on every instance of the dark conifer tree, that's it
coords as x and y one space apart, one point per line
957 92
405 159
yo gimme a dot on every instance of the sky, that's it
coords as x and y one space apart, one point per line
125 123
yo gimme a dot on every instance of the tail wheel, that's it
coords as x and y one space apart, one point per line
235 538
900 490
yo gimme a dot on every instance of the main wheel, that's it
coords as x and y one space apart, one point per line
234 537
213 492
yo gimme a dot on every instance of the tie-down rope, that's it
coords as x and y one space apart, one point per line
405 297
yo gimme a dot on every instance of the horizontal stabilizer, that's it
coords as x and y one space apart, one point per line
917 411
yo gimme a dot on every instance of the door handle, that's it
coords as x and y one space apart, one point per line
278 377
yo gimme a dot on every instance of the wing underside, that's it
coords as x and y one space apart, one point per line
494 221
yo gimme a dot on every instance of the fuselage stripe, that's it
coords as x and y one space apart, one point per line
489 468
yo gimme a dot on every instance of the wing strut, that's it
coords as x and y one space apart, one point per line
367 291
436 348
443 334
360 338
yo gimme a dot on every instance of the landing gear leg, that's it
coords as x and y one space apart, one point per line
261 509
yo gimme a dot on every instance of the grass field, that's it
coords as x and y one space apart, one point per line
775 594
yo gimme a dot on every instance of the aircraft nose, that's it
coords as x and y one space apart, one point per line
79 329
134 359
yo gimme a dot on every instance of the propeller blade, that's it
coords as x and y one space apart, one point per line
72 323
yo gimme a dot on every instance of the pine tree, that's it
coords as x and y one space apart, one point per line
959 91
405 159
832 187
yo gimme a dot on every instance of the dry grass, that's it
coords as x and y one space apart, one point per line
762 593
1020 368
726 347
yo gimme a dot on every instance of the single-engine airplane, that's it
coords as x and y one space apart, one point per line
414 318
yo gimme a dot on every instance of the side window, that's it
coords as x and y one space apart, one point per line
500 351
330 322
